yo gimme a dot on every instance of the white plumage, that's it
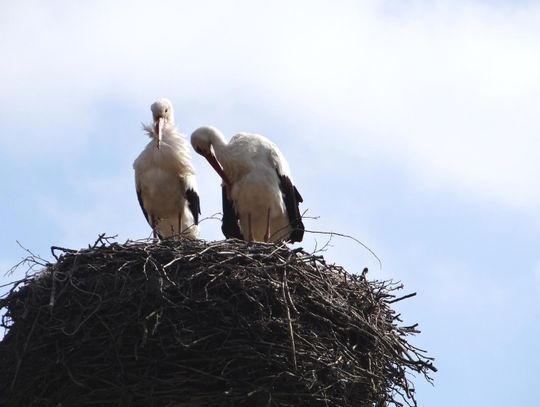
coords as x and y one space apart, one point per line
165 178
260 201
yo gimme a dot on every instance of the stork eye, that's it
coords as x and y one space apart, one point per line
166 110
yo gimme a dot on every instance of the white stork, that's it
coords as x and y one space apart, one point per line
165 178
260 201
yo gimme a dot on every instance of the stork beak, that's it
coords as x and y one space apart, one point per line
217 166
159 129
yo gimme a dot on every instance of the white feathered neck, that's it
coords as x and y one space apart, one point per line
173 153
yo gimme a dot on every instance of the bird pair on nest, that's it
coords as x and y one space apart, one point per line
260 201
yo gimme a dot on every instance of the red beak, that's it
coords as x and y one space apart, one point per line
217 166
158 129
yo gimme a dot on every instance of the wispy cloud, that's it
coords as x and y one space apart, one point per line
448 90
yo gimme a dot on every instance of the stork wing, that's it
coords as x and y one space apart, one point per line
291 198
194 204
229 225
139 197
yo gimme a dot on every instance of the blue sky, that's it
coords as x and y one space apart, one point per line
412 126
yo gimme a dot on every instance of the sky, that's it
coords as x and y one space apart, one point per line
410 125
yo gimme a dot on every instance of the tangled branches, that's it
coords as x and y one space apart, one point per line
192 323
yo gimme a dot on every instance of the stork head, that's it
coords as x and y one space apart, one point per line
203 140
162 112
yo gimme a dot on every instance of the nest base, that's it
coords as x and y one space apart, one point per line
191 323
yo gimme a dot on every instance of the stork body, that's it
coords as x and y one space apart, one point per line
165 178
260 201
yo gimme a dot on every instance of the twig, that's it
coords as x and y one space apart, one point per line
348 237
289 322
401 298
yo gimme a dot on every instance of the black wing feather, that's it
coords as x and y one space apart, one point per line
229 225
194 204
291 198
139 197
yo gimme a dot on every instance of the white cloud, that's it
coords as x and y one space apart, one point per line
455 100
448 90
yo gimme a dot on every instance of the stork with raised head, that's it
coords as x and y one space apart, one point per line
260 201
165 178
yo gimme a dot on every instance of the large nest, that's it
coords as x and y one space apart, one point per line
191 323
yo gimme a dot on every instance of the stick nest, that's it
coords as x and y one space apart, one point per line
192 323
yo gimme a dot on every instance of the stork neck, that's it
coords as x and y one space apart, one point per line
170 124
220 145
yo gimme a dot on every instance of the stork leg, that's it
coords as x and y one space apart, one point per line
250 231
267 234
179 223
153 223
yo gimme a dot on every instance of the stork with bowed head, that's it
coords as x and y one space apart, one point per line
260 201
165 178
